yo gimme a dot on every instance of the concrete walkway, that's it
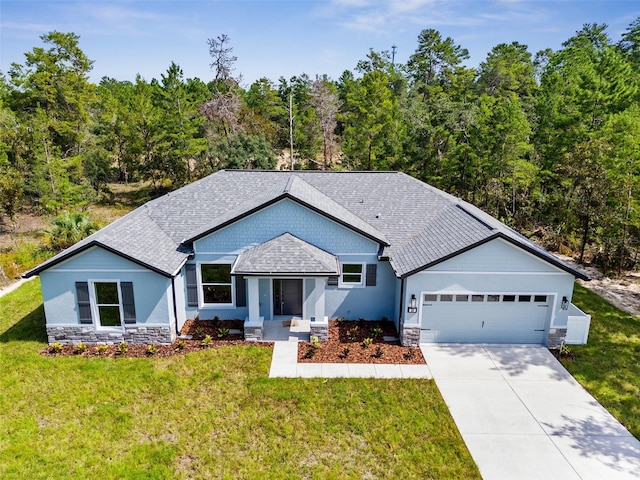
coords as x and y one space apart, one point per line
284 363
523 416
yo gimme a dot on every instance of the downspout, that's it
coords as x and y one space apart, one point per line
175 308
401 303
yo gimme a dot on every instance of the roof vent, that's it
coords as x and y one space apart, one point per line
361 200
378 215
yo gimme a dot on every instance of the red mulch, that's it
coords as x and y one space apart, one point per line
351 335
198 329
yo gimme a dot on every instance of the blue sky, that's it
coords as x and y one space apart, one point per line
286 38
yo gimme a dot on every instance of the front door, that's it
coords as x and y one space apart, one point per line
287 297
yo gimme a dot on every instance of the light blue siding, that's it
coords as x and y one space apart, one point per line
371 303
285 216
151 291
495 256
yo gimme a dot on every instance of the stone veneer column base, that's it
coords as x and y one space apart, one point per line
134 335
320 329
410 335
556 337
254 331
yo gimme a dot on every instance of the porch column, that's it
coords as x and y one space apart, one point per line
318 308
253 297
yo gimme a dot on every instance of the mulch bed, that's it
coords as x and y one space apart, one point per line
347 345
197 329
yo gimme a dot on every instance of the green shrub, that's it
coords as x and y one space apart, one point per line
151 349
180 345
376 332
378 353
102 349
367 342
315 341
207 340
223 332
123 348
55 347
80 348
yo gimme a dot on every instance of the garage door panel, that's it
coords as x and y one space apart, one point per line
510 318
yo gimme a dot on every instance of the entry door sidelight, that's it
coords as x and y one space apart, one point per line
287 297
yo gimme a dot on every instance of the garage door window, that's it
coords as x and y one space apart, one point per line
540 298
508 298
430 297
477 298
493 298
462 298
524 298
446 298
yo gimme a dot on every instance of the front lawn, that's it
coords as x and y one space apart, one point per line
609 365
209 414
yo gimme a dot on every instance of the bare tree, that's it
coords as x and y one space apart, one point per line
326 104
223 60
225 103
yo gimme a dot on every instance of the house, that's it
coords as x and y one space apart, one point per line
263 245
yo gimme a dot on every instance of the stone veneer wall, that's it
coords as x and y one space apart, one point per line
71 335
253 333
556 337
410 335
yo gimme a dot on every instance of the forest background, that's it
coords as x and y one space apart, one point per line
549 142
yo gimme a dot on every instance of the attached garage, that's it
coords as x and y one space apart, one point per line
485 317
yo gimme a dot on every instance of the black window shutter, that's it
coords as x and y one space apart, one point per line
192 286
128 304
241 292
333 280
84 304
372 270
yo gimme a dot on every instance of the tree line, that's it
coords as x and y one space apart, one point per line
549 142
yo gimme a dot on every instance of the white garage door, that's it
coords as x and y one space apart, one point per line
484 318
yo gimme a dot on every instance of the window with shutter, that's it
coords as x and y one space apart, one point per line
372 270
192 286
241 292
84 303
128 303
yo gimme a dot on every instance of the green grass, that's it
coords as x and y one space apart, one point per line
609 365
211 414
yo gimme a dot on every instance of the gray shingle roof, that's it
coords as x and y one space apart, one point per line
286 254
415 224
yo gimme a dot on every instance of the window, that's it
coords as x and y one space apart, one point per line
215 279
540 298
462 298
352 274
430 297
508 298
446 298
477 298
524 298
108 304
493 298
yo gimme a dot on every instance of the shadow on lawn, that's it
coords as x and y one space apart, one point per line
31 328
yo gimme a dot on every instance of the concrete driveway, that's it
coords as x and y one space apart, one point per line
523 416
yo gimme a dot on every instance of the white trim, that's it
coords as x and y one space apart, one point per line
363 274
95 311
469 272
201 304
107 270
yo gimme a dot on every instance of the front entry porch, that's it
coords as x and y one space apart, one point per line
292 329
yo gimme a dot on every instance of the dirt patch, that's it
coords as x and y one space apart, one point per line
360 342
623 292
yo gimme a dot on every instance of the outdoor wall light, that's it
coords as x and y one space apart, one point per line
565 304
413 305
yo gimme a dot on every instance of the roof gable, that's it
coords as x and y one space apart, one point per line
285 255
